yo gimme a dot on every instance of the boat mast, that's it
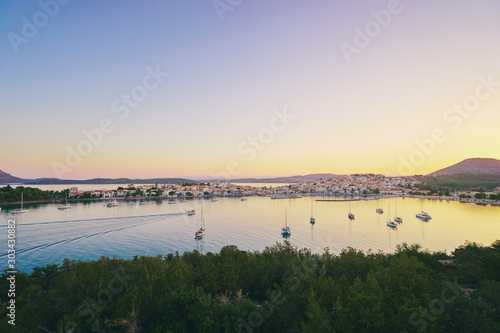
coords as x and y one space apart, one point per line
285 218
202 219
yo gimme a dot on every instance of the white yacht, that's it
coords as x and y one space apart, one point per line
201 231
312 219
20 211
286 231
423 215
65 206
390 224
397 218
350 215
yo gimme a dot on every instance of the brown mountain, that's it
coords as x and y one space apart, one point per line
471 165
6 178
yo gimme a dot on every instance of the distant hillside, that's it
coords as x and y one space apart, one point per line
463 181
51 181
6 178
291 179
471 165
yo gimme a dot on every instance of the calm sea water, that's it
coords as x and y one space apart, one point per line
47 235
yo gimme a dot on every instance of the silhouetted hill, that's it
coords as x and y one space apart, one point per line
291 179
6 178
51 181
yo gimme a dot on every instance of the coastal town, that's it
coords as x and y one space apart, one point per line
357 186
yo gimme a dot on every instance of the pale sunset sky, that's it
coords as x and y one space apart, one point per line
254 88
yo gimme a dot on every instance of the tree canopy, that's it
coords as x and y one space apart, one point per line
279 289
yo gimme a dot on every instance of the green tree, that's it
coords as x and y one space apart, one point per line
480 195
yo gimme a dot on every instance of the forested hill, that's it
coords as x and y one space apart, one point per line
281 289
472 166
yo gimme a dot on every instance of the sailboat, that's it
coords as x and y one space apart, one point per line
286 231
397 218
312 220
20 211
201 232
379 210
390 224
66 206
423 215
350 215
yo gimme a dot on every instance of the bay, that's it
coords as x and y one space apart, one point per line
89 230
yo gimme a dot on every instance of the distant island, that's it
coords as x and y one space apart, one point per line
472 172
6 178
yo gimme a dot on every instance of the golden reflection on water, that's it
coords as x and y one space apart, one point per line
90 230
451 225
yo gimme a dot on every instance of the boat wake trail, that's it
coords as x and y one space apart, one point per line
115 229
99 219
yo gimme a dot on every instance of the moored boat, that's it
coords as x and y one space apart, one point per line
350 215
312 220
22 210
201 231
286 231
390 224
65 206
397 218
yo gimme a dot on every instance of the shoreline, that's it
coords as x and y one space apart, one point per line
472 200
114 198
482 202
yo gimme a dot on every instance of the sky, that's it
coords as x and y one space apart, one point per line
238 88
